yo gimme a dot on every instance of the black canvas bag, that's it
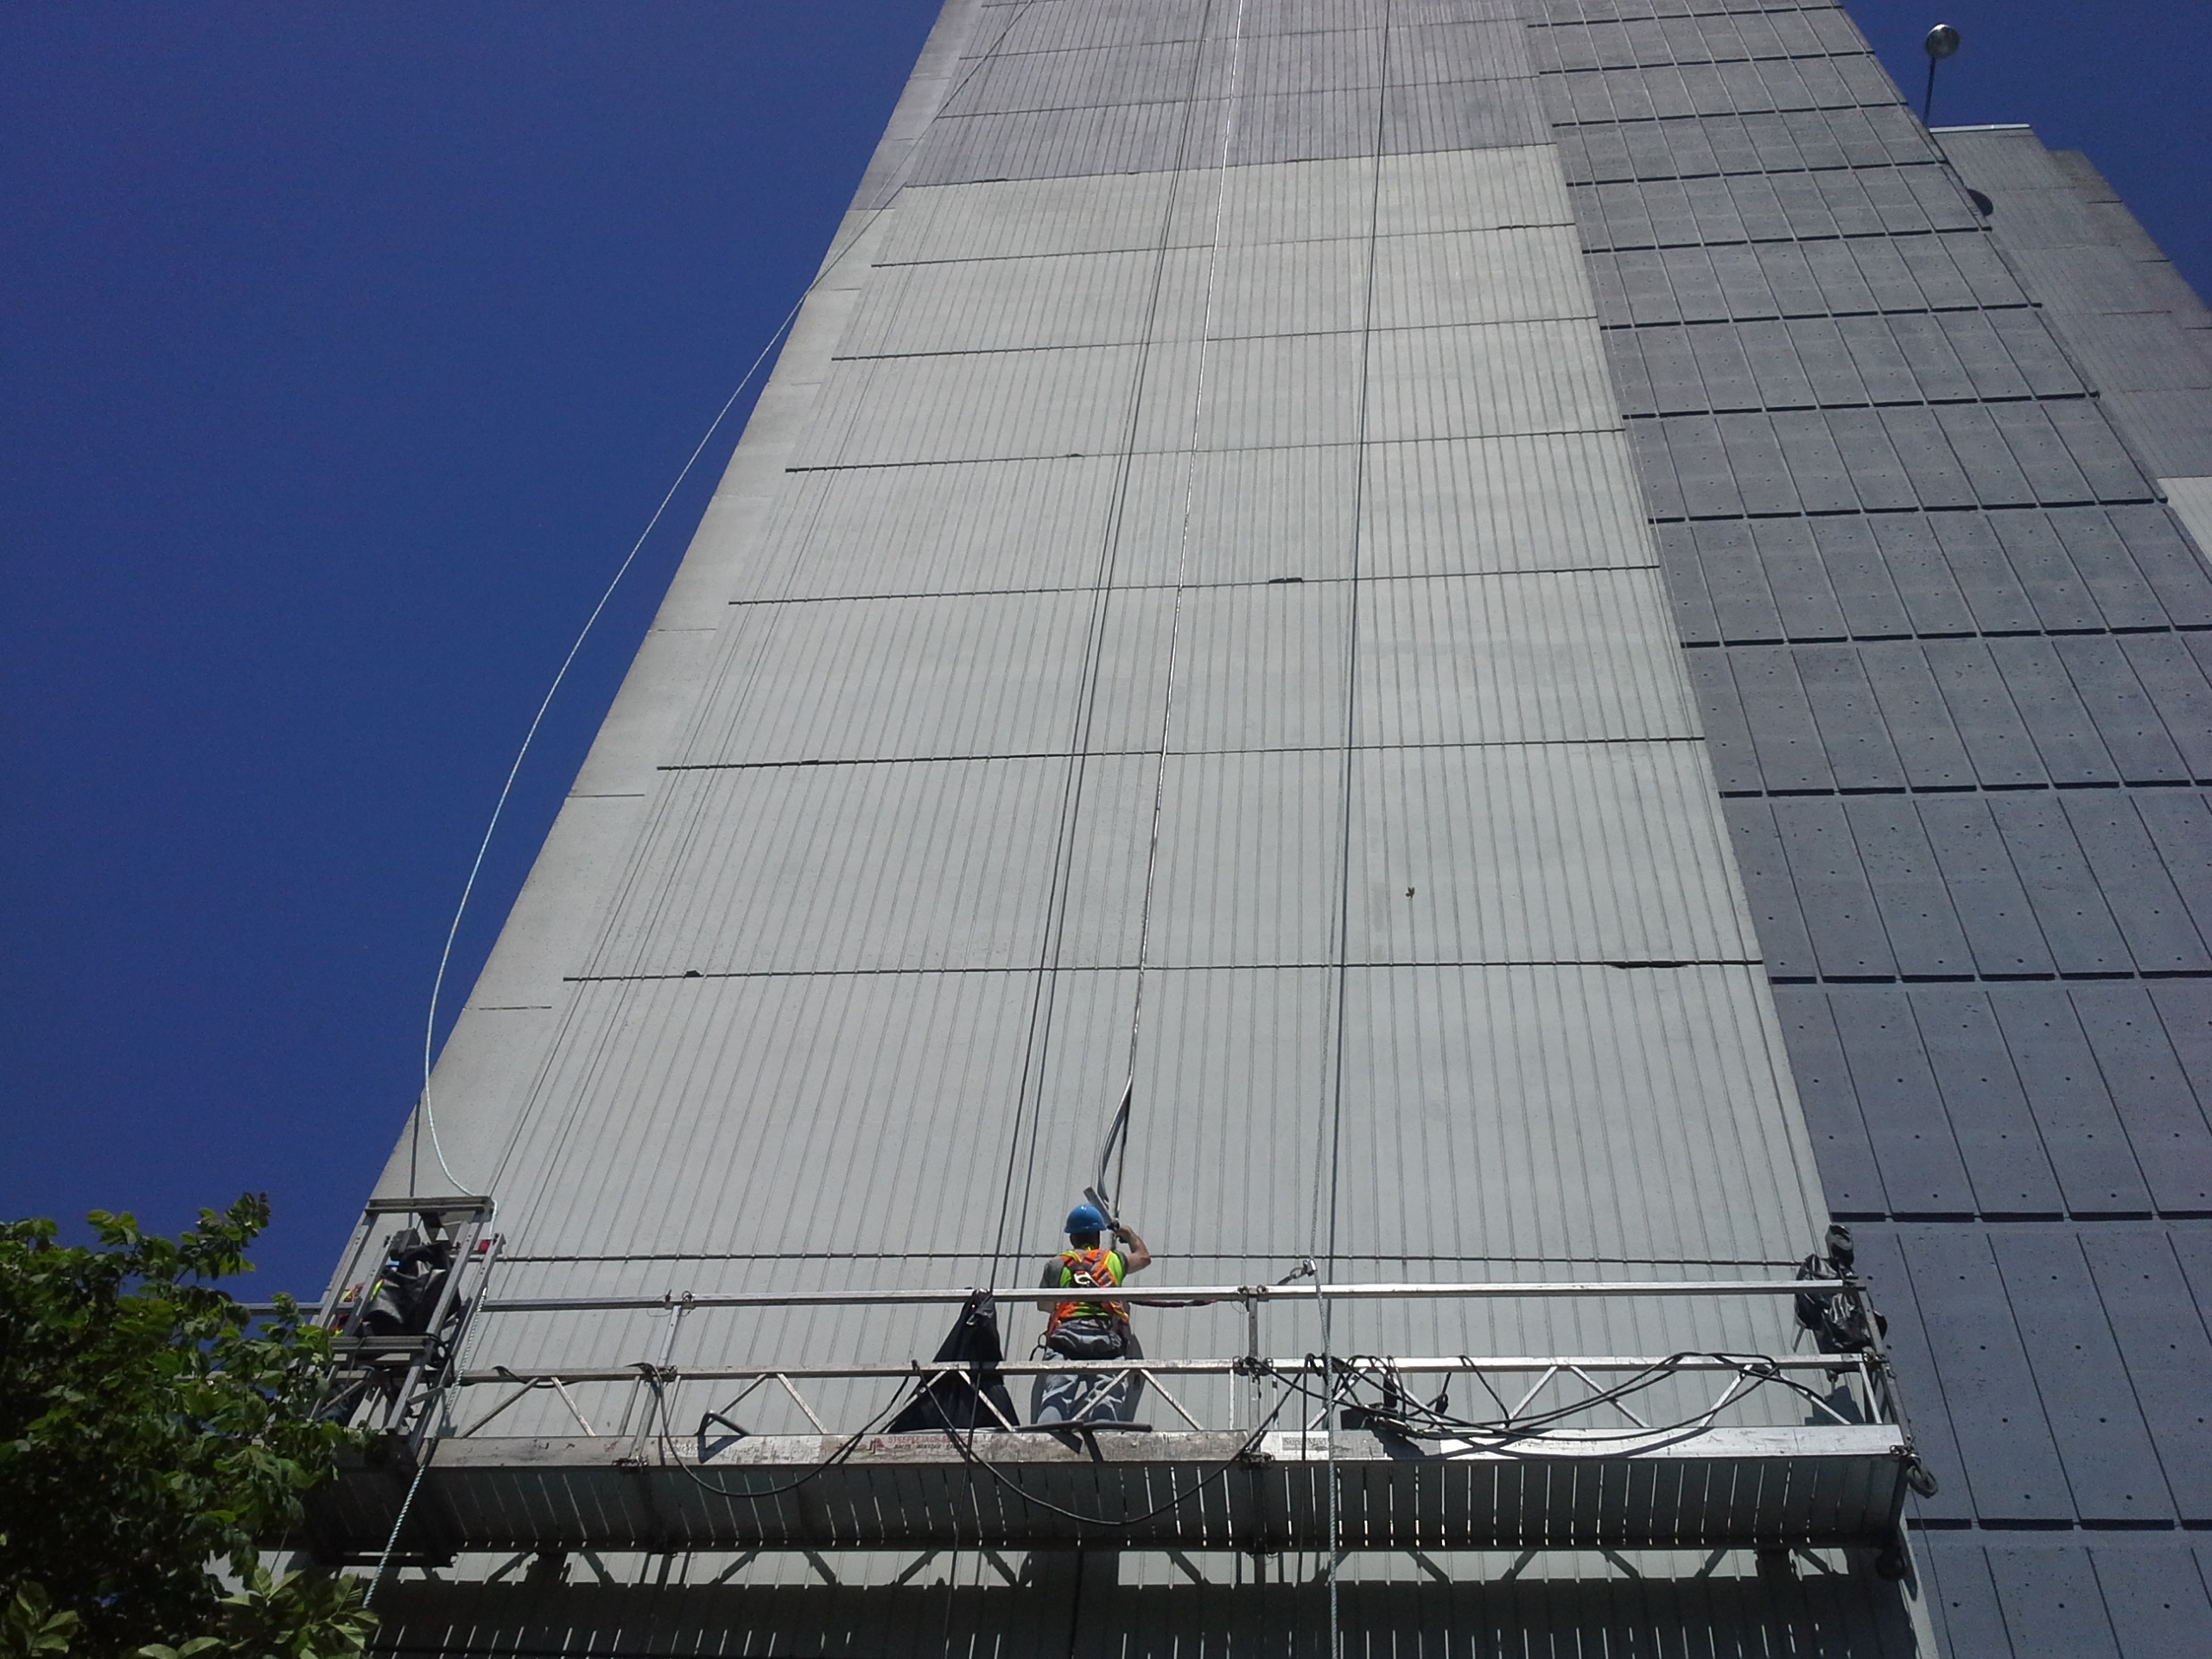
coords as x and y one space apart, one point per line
977 1398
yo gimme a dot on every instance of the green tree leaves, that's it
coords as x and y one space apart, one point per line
29 1627
298 1616
149 1429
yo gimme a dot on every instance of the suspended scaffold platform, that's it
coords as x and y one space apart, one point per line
1348 1455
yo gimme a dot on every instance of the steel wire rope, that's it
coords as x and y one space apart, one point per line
1044 996
1330 1155
890 196
1117 1129
439 1400
1044 991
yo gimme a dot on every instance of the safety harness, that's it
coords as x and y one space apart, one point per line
1091 1269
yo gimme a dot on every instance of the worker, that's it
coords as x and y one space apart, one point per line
1090 1327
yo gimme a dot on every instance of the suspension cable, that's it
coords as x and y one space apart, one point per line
1329 1158
1115 1143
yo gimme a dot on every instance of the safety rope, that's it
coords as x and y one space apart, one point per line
1026 1123
1115 1141
439 1402
428 1117
1330 1156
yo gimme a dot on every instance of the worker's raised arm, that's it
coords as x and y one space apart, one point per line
1134 1254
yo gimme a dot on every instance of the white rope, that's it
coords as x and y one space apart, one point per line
468 888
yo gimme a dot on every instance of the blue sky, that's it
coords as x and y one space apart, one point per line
346 351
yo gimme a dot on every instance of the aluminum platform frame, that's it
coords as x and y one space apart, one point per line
1838 1479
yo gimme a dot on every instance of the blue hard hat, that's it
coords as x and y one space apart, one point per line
1085 1218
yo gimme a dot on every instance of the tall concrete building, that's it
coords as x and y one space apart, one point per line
1565 649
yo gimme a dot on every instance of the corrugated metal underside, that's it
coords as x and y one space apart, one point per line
1951 650
1830 1486
1252 336
1420 1604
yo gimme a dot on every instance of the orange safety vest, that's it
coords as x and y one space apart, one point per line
1090 1270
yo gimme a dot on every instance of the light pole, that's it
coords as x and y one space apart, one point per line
1942 41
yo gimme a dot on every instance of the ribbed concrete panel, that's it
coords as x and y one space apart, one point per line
1270 289
1014 28
1057 143
1101 299
714 1054
1262 666
2191 501
1573 656
1529 852
1480 278
1661 1096
1552 502
1011 219
708 1059
1255 205
1586 856
814 869
954 528
1252 394
1489 381
1433 508
1577 853
907 679
1239 516
1299 94
995 406
1085 78
1493 190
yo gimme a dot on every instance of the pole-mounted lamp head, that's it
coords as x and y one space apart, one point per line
1942 41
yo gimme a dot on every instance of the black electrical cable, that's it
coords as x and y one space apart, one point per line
1756 1370
1345 1376
653 1381
1035 1501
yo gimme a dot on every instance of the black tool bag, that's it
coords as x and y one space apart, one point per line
974 1399
1090 1337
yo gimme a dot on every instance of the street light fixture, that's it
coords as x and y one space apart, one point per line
1942 41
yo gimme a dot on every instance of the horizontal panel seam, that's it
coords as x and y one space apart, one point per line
1198 586
1180 754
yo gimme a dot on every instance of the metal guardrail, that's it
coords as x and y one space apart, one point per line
1153 1294
1670 1476
1868 1372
